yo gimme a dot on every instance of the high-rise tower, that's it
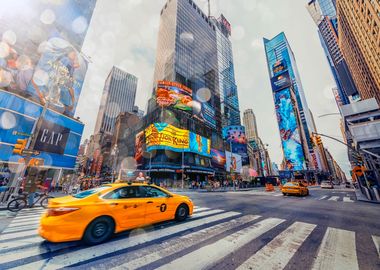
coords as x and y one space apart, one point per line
118 96
359 35
249 121
323 13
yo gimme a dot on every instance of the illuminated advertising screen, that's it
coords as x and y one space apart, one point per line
58 138
207 114
139 143
233 163
279 67
175 95
218 159
165 136
235 135
289 131
280 81
39 50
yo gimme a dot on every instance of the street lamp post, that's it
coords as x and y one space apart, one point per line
183 168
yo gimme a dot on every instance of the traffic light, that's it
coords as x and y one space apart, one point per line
20 146
319 140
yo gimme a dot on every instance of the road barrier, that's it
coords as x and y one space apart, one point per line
269 187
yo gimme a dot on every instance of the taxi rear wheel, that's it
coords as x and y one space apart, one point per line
182 212
99 230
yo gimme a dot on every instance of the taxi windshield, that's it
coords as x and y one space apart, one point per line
89 192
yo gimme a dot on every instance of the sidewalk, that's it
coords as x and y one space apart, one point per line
361 197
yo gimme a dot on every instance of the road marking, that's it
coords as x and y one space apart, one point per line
337 251
376 241
334 198
208 255
322 198
277 195
347 199
172 246
200 209
141 237
281 249
17 234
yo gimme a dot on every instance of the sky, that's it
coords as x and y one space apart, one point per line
124 33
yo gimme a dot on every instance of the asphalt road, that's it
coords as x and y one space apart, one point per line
247 230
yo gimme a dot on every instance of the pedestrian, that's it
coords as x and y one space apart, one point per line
34 185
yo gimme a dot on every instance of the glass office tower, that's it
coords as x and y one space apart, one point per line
280 57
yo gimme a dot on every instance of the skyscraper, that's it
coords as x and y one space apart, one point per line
118 96
249 121
283 70
323 13
359 35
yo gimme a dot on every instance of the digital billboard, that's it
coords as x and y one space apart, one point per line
174 94
139 149
207 114
233 163
165 136
279 67
58 138
39 50
281 81
218 158
235 135
289 131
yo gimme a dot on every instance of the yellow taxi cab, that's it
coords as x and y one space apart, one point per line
95 215
295 188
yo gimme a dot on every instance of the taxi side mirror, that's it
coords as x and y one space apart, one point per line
169 195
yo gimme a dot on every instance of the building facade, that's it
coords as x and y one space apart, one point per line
293 114
119 96
194 54
249 121
359 40
323 13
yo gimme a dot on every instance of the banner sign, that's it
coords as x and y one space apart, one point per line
280 81
52 138
233 163
165 136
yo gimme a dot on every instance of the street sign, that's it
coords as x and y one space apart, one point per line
17 133
358 170
28 152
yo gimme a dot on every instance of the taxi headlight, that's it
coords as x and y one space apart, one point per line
53 212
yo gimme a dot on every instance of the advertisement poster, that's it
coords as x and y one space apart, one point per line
218 158
289 131
281 81
235 135
233 162
174 94
208 114
139 143
279 67
58 76
199 144
40 39
165 136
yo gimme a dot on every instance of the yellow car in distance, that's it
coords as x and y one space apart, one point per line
95 215
295 188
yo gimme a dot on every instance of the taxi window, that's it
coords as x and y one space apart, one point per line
290 185
152 192
125 193
89 192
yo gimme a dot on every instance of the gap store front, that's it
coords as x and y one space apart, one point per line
57 141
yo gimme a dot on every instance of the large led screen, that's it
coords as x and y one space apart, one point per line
175 95
218 159
235 136
39 50
165 136
57 140
289 131
233 162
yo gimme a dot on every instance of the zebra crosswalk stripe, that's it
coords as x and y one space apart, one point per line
376 241
145 257
208 255
337 251
281 249
347 199
89 253
323 197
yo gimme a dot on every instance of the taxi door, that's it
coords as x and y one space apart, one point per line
159 205
127 207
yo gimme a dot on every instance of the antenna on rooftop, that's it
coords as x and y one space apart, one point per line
209 11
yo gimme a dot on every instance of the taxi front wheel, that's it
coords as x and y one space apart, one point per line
99 230
182 212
